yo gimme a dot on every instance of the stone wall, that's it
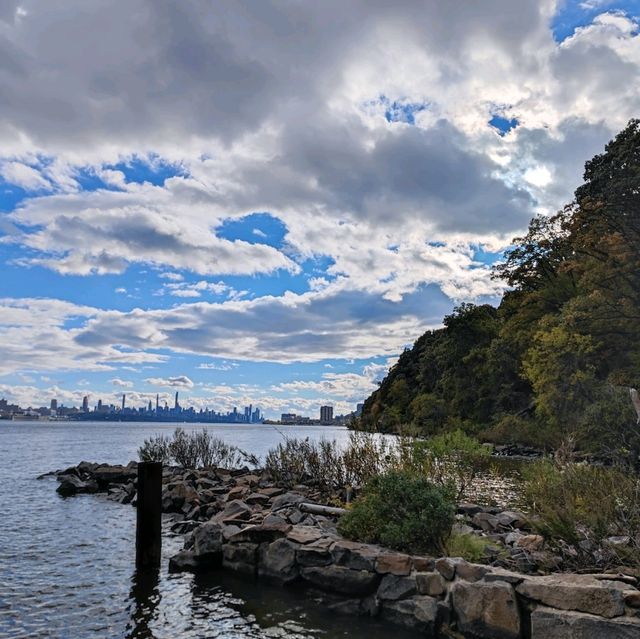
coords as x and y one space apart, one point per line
239 521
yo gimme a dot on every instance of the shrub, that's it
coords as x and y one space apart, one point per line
401 511
155 449
194 450
579 506
468 546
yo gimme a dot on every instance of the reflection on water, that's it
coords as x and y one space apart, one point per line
67 565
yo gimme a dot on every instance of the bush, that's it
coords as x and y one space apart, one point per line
579 506
194 450
468 546
401 511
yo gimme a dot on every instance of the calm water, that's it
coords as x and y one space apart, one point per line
66 565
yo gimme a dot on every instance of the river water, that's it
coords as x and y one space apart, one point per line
67 565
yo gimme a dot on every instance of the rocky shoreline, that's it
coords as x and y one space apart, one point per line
241 521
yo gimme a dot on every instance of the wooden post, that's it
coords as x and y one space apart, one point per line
149 516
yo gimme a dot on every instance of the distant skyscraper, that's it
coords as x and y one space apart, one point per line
54 404
85 404
150 407
326 414
176 405
124 398
157 402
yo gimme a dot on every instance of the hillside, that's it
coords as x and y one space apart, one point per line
552 365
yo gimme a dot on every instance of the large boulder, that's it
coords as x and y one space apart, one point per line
417 613
547 623
277 561
486 610
582 593
241 557
72 485
207 543
106 474
357 583
354 555
394 587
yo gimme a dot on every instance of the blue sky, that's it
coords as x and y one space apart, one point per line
244 217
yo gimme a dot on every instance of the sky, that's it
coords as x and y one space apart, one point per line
266 202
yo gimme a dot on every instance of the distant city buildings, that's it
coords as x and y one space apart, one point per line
109 412
326 414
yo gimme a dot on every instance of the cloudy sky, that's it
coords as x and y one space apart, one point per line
266 201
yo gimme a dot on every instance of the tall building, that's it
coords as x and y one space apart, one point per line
124 398
326 414
176 405
54 404
157 402
150 407
85 404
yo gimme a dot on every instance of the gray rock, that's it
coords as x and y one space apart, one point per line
582 593
72 485
547 623
430 583
241 558
486 610
207 543
261 533
446 567
313 556
341 580
184 561
277 561
354 555
288 499
393 587
418 613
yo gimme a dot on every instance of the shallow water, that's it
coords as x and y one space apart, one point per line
66 565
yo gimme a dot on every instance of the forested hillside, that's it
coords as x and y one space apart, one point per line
554 362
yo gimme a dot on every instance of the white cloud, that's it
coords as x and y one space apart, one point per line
23 176
116 381
181 381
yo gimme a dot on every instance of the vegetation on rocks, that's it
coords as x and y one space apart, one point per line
589 515
401 511
194 450
554 362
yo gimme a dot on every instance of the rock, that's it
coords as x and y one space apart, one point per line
257 498
394 563
547 623
574 592
393 587
260 533
632 598
305 534
468 571
469 509
355 555
271 491
240 557
235 510
105 474
486 610
486 522
430 583
313 556
274 519
277 561
423 564
287 499
530 543
341 580
446 567
499 574
512 518
72 485
418 613
185 560
207 543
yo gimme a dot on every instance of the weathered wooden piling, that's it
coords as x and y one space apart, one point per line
149 515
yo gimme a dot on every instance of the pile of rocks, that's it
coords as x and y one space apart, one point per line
240 521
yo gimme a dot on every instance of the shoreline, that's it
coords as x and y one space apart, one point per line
239 520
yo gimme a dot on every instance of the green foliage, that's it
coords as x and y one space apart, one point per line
194 450
468 546
577 507
564 339
401 511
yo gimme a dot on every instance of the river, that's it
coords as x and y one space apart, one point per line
67 565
